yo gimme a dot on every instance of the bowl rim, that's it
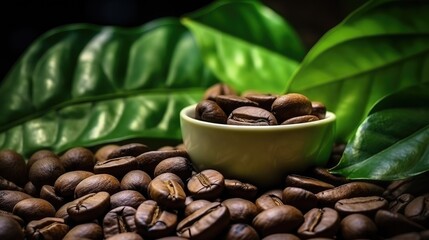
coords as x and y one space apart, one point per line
187 114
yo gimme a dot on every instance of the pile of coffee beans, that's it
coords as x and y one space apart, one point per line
133 192
222 105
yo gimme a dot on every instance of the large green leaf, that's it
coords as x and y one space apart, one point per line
246 44
393 141
381 48
85 85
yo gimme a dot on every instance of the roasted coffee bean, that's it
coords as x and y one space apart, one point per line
415 186
263 100
240 231
365 205
9 185
300 198
33 209
311 184
97 183
290 105
89 207
390 224
206 223
318 109
210 111
67 182
268 200
10 229
194 206
207 184
398 204
45 171
39 155
300 119
284 236
230 102
90 231
32 190
46 228
180 166
324 175
171 177
131 149
153 221
102 153
125 236
126 198
279 219
47 192
136 180
78 158
9 198
13 216
119 220
117 167
62 212
13 167
320 222
235 188
240 210
167 193
418 210
358 226
148 160
349 190
218 89
251 116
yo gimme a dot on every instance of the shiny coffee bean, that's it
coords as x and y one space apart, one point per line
167 193
415 186
279 219
207 184
116 167
218 89
240 210
318 109
89 207
237 189
210 111
171 177
125 236
9 198
263 100
290 105
46 228
33 209
398 204
19 220
206 223
154 222
62 212
149 160
230 102
240 231
300 119
311 184
78 158
39 155
300 198
102 153
66 183
45 171
358 226
97 183
324 175
251 116
136 180
320 222
283 236
10 229
390 224
194 206
9 185
180 166
268 200
13 167
119 220
365 205
32 190
131 149
91 231
47 192
418 210
126 198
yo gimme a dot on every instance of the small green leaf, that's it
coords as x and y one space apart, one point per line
378 50
246 44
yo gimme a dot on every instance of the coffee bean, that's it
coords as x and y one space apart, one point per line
398 204
218 89
62 212
240 231
136 180
131 149
9 198
10 229
167 193
324 175
284 236
207 184
358 226
390 224
78 158
210 111
194 206
43 153
125 236
318 109
240 210
89 207
251 116
263 100
47 192
32 190
9 185
102 153
230 102
365 205
148 160
45 171
117 167
126 198
13 167
267 201
320 222
119 220
279 219
300 198
311 184
238 189
291 105
33 209
415 186
13 216
46 228
153 221
418 210
300 119
180 166
65 184
171 177
206 223
97 183
91 231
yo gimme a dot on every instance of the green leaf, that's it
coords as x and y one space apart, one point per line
393 141
378 50
83 85
246 44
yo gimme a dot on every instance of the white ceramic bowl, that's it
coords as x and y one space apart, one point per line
261 155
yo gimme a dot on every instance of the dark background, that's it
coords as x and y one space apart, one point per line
23 21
